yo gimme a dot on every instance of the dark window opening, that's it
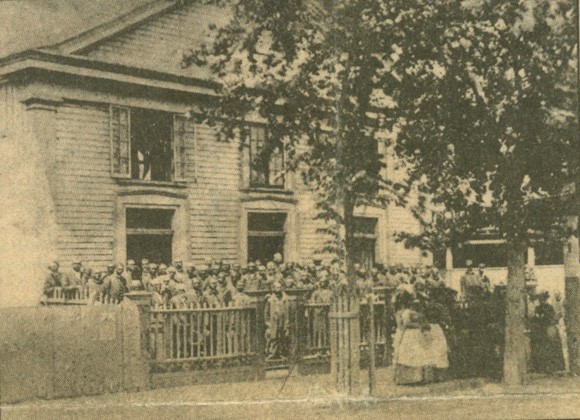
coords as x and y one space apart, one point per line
149 235
266 235
266 160
151 145
492 255
365 239
549 253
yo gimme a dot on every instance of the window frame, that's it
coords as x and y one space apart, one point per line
179 163
267 184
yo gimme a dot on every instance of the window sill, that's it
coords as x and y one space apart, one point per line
268 190
141 183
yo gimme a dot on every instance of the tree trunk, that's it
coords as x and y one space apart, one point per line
514 365
344 321
572 295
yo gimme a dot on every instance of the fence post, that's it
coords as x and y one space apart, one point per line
143 302
260 337
389 317
371 340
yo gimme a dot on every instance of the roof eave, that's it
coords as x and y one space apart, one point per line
83 66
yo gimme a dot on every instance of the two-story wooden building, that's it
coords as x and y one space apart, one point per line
96 119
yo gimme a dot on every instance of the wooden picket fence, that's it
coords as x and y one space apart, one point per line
199 338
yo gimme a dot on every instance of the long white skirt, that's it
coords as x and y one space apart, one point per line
422 348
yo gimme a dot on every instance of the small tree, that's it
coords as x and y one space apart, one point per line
313 73
488 127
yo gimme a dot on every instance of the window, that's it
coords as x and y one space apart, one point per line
149 234
266 235
266 160
490 254
365 239
148 145
549 253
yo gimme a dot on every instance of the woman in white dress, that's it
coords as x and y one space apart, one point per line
420 347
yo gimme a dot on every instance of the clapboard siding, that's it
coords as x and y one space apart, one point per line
86 197
158 43
214 198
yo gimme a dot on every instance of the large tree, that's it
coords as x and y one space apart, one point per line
312 72
488 121
471 88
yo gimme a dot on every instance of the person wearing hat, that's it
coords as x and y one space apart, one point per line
96 286
74 277
239 297
546 346
484 282
131 272
212 295
53 280
179 299
115 285
195 296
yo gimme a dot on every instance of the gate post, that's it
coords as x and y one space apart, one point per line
260 337
143 302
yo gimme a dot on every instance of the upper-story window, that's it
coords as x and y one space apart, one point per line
266 160
148 145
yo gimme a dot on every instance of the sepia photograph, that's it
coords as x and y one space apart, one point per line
285 209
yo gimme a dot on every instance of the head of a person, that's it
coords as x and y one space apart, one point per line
213 283
119 268
162 269
251 267
178 264
87 272
240 285
262 269
76 266
277 258
196 283
153 268
131 265
144 262
53 266
110 268
222 279
271 267
171 271
481 267
277 288
469 265
191 271
543 296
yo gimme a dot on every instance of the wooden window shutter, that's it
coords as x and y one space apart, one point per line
181 132
120 127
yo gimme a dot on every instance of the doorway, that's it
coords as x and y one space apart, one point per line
150 235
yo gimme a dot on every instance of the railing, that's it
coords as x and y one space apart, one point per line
201 337
68 296
76 295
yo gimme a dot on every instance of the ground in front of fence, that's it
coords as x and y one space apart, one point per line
313 397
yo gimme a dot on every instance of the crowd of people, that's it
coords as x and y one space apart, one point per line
425 308
217 283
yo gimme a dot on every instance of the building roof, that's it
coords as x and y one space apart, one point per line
30 24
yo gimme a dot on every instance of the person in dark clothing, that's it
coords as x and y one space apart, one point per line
547 356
